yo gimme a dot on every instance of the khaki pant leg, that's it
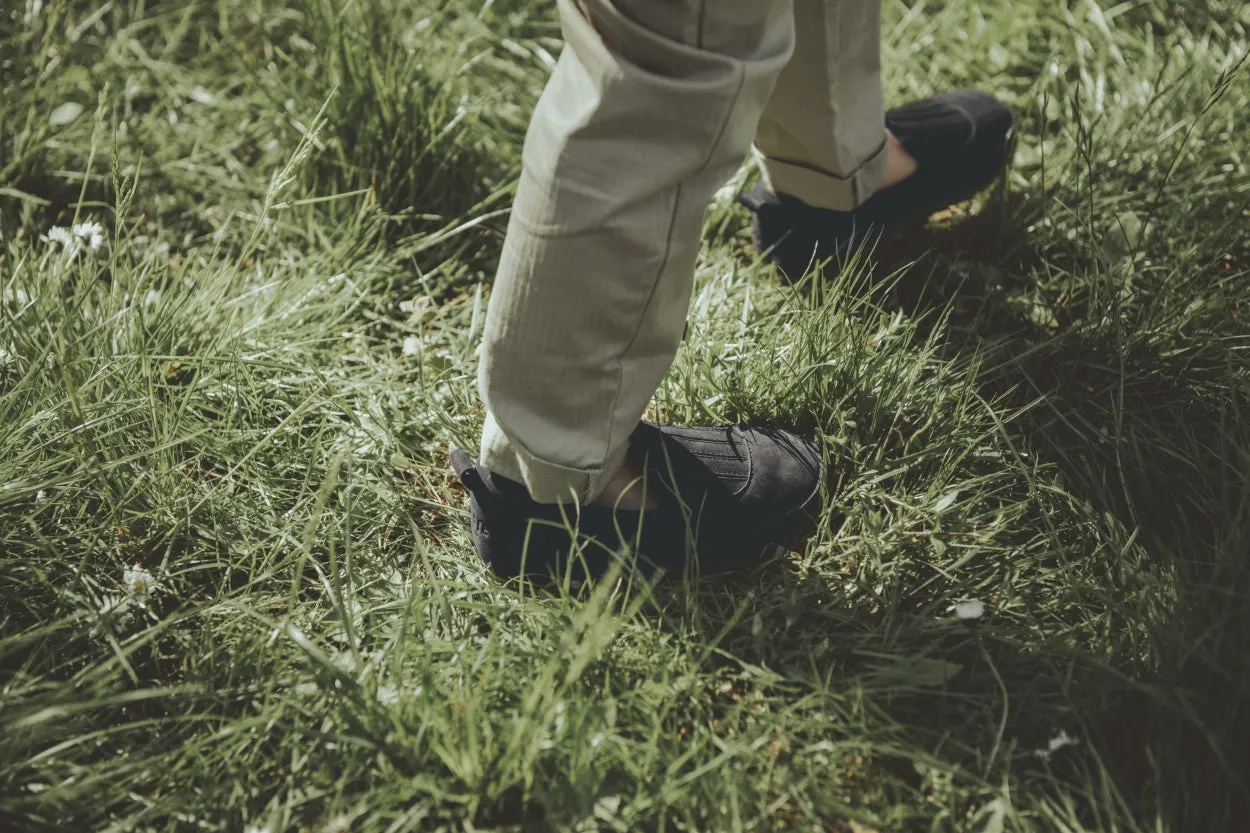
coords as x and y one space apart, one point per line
652 106
822 134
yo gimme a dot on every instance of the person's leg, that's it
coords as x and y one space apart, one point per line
840 169
823 133
652 106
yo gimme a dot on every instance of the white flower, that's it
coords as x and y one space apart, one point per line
114 610
969 610
119 610
412 346
80 236
1056 743
56 234
139 584
91 234
388 695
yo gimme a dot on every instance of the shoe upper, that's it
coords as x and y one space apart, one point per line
960 140
765 475
728 495
965 125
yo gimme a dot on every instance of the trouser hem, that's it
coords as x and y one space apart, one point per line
546 481
824 189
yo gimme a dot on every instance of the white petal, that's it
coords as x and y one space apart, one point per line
337 824
972 609
1061 740
110 604
65 114
56 234
33 7
203 96
1056 743
91 233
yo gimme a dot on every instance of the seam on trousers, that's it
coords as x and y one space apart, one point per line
668 245
655 284
832 17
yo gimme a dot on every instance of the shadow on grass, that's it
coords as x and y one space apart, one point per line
1147 425
981 702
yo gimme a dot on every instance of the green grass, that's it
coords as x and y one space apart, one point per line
1039 402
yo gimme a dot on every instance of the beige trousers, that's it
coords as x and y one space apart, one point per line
652 106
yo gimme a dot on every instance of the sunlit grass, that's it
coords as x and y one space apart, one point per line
245 249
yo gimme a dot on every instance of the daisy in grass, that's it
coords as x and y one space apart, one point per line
969 610
80 237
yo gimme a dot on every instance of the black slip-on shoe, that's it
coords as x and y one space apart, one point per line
960 140
728 496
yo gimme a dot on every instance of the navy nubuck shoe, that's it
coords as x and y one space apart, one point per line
728 497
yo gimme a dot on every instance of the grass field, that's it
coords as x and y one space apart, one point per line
245 248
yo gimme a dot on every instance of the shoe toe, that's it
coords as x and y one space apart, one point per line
785 478
960 126
994 122
763 481
990 114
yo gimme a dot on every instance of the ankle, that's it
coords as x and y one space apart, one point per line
628 488
899 164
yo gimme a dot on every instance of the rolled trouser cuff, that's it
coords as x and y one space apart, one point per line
824 189
546 481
